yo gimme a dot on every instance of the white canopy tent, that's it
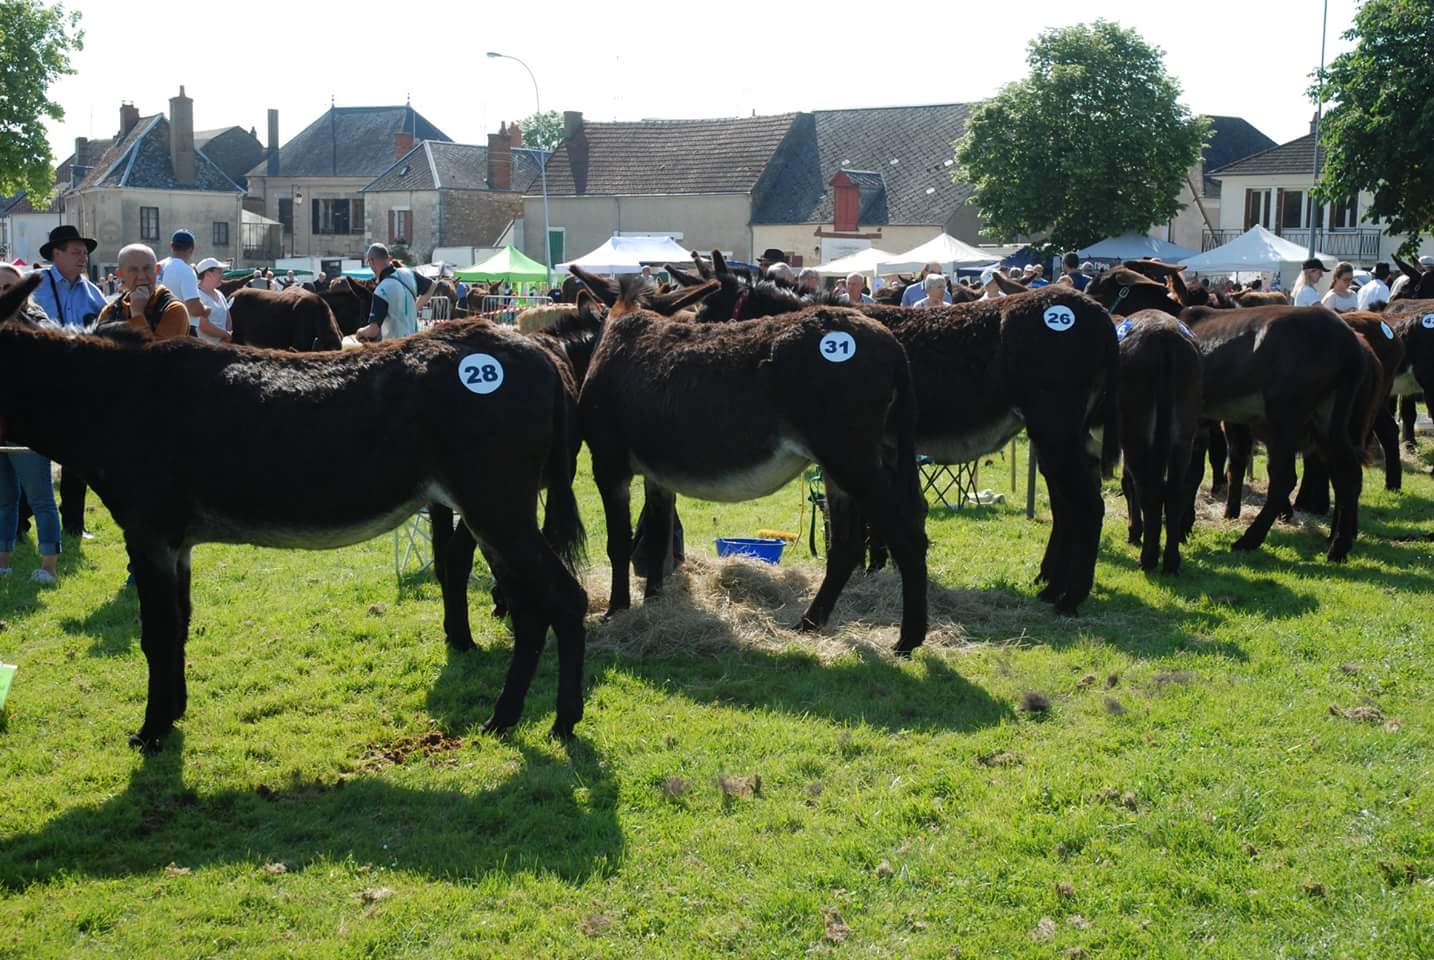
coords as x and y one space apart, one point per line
944 249
863 261
1257 250
1136 246
629 254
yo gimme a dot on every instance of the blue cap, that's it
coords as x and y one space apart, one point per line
181 238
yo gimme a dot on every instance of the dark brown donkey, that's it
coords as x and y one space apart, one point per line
1160 396
293 319
469 415
1289 372
1413 320
730 412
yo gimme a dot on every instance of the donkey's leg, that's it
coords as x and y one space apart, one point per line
1347 472
1386 431
1217 449
660 506
1285 417
844 553
186 610
440 531
901 521
519 548
1240 447
1177 501
1134 526
1194 474
1057 428
457 565
1408 416
614 483
155 574
567 606
1152 503
1313 495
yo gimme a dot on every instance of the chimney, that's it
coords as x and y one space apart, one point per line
846 203
575 142
572 122
129 116
515 135
500 160
402 143
181 137
271 153
82 152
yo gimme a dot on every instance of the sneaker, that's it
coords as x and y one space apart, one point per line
44 577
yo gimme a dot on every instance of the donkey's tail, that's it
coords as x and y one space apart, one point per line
562 523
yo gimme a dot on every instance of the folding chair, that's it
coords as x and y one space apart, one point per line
412 544
949 481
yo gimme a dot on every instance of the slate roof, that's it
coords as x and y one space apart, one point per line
662 157
916 188
1295 157
96 148
234 149
1231 139
20 204
438 164
141 160
350 142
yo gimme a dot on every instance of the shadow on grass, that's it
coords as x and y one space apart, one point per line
552 816
113 625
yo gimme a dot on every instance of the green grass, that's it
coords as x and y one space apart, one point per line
905 809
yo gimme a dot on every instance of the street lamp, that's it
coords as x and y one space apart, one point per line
542 165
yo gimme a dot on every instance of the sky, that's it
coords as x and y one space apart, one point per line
632 61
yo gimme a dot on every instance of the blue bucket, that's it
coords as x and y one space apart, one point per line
768 551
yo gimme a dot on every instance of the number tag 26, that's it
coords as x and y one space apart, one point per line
480 373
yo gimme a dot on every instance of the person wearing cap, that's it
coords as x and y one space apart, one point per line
917 291
1305 292
66 294
214 326
1374 295
177 276
770 256
991 288
398 296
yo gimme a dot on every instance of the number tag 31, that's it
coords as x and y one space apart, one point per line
480 373
1059 319
838 347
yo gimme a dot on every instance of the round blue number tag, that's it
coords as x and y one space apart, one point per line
838 346
1122 331
1388 333
1184 329
480 373
1059 319
1428 322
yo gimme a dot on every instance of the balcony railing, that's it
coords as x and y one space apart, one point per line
1359 245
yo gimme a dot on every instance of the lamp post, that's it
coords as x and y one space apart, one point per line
1319 111
542 165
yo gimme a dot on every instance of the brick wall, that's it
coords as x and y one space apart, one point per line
477 218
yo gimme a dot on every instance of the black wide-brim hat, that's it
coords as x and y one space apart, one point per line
62 235
1314 263
772 255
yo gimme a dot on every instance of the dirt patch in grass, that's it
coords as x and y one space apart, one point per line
432 744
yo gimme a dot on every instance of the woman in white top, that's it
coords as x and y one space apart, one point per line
1340 298
215 327
1305 292
935 287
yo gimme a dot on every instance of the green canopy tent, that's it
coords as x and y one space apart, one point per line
507 264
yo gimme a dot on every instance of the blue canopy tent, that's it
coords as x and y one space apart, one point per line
1135 246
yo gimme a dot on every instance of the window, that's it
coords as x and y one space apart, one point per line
557 244
1292 208
338 216
286 214
1257 208
400 226
1344 216
149 223
221 233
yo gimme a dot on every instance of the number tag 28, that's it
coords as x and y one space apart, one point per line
838 347
480 373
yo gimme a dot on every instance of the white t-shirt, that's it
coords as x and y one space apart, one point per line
1338 303
218 314
1307 297
179 277
1371 293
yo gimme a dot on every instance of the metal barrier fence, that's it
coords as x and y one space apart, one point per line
506 309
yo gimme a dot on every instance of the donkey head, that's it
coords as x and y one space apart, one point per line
684 279
13 301
1123 291
1420 285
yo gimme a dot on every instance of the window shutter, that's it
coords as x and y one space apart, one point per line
316 216
392 219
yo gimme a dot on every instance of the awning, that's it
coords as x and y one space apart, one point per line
630 255
944 249
509 264
1136 246
1257 250
863 261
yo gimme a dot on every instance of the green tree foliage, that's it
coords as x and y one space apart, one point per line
36 40
1379 133
1093 143
542 130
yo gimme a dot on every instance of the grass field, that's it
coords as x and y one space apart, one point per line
1188 791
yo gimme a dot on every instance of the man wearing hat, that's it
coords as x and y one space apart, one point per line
770 256
1306 292
69 298
65 294
179 278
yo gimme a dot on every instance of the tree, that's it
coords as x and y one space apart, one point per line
1093 143
542 130
36 41
1378 134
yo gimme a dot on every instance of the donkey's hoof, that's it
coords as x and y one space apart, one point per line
1170 567
806 625
562 731
498 612
1133 538
1067 607
1245 544
1050 594
149 744
460 644
613 610
499 727
1338 553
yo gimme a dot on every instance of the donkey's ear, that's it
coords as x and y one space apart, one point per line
1008 285
669 303
704 270
589 309
1409 270
682 277
12 300
605 290
1177 286
1154 269
719 263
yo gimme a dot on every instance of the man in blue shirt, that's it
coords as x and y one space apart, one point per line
1070 263
65 294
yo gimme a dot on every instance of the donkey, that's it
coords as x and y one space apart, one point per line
468 414
1045 359
291 319
730 412
351 302
1160 396
1288 371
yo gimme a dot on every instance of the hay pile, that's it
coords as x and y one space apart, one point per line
717 605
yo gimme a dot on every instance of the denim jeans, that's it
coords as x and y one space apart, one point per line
32 472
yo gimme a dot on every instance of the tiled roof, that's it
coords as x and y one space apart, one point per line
95 149
20 204
234 149
350 142
141 160
437 164
908 148
1295 157
658 157
1231 139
